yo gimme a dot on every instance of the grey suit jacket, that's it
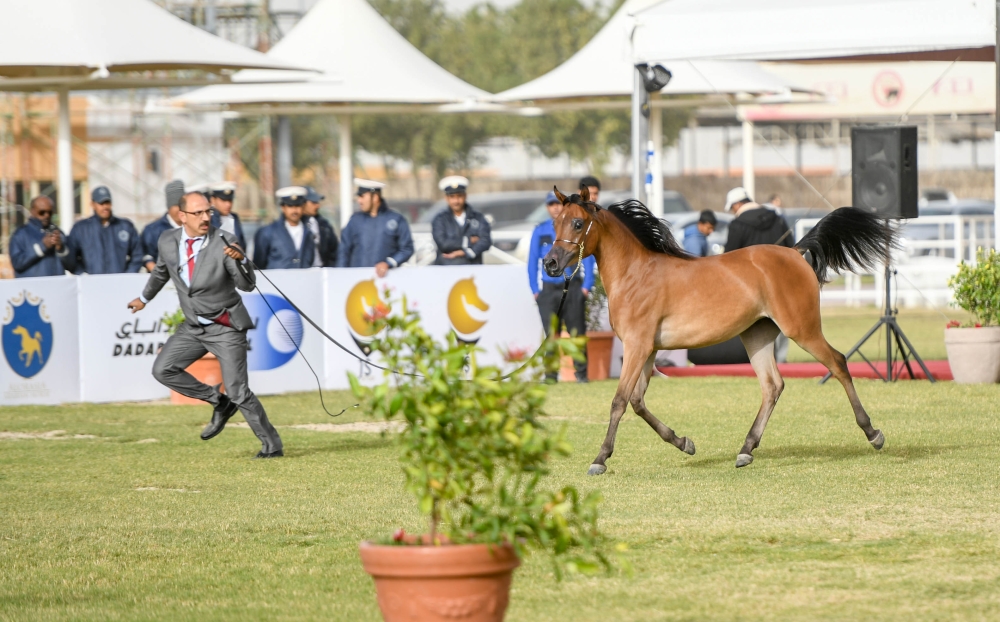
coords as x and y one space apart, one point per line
214 284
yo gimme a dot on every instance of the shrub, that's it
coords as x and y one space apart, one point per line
474 448
977 287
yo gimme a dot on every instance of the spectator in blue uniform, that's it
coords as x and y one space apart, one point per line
324 237
461 234
221 197
696 234
285 244
104 243
548 289
376 236
171 220
39 248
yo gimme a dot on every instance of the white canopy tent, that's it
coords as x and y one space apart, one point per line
842 30
109 44
362 60
605 68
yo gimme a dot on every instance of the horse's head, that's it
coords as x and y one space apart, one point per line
576 236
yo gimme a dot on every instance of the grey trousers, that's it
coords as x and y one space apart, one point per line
188 345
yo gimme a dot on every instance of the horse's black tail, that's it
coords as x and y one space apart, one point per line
848 239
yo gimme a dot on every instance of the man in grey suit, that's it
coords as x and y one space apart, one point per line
207 266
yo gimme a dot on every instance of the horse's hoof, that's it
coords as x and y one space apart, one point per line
597 469
688 446
743 459
879 440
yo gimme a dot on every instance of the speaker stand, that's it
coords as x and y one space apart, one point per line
893 335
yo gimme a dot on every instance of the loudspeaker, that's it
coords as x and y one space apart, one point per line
884 170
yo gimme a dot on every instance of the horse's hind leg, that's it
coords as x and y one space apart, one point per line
632 367
759 343
639 406
818 346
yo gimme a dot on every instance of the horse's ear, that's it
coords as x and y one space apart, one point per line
585 194
559 195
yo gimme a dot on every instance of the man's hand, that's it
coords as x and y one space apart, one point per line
150 265
454 254
136 305
52 239
234 251
586 292
381 269
536 296
473 239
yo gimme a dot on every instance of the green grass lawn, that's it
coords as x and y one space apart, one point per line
820 526
845 326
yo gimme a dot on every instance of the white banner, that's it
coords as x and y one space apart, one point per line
117 347
491 306
275 365
40 341
93 349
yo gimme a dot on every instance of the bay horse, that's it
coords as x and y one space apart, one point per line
662 298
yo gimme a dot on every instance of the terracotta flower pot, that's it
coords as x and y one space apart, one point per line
974 354
467 582
207 370
599 344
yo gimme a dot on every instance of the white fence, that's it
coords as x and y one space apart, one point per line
932 248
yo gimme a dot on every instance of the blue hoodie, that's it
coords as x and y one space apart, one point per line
695 241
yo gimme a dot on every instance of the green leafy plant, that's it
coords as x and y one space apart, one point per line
596 303
474 448
977 287
173 320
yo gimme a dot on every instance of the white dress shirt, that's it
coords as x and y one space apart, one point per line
296 231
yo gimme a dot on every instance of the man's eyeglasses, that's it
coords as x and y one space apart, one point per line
200 213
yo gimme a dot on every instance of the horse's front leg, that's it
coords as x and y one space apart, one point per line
632 366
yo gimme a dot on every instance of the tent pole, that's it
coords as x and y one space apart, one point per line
345 159
656 136
996 136
640 135
748 174
284 172
65 164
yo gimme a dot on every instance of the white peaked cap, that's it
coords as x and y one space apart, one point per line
223 186
455 183
367 183
291 192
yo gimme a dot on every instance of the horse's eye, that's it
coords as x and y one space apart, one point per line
577 224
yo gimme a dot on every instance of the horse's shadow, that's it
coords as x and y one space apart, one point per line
800 454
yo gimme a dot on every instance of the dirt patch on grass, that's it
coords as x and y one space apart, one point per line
51 435
371 427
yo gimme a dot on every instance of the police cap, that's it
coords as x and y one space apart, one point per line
100 194
366 185
454 184
293 196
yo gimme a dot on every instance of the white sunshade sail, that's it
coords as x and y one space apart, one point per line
50 44
814 29
362 59
603 68
63 45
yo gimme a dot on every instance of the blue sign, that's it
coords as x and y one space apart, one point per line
275 336
27 337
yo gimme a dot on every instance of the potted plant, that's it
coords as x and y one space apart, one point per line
974 349
599 342
475 453
206 369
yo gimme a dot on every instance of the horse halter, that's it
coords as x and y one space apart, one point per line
583 240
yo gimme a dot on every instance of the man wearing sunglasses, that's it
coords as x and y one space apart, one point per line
39 248
207 266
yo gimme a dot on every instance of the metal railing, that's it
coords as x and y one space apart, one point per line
932 247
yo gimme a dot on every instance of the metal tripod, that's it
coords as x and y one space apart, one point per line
893 334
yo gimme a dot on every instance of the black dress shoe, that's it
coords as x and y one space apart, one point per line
226 409
273 454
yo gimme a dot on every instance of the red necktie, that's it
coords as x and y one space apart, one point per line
190 259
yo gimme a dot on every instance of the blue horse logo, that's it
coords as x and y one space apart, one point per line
26 335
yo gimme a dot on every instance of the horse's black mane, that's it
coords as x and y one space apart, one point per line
650 230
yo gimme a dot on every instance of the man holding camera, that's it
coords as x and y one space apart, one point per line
39 248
